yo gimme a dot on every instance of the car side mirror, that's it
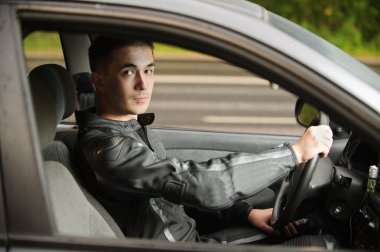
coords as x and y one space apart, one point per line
306 114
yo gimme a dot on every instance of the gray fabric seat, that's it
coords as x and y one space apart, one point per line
75 211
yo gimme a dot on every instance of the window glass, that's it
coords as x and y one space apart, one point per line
197 91
42 47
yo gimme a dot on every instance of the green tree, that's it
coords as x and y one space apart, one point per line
352 25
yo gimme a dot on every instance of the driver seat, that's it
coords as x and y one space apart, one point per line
75 211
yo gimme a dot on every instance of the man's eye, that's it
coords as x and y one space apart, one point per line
149 71
128 72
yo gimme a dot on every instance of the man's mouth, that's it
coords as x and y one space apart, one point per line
141 99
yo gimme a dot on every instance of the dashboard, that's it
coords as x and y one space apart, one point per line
357 157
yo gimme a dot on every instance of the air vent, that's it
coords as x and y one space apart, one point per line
351 147
349 150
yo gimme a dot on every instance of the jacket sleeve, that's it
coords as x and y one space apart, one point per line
124 164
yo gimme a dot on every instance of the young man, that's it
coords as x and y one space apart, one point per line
127 169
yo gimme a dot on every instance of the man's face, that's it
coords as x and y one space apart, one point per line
127 82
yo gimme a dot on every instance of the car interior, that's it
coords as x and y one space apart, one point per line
59 89
57 137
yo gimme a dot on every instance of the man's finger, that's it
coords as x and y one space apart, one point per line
287 231
292 229
267 228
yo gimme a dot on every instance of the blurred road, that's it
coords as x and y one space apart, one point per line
209 94
204 93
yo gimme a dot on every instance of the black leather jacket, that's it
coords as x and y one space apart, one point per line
145 191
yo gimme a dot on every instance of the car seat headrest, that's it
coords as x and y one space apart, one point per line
54 98
58 80
83 83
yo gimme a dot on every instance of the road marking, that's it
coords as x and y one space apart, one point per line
249 120
210 79
222 91
194 106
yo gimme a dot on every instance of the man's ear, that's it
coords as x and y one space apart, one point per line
97 80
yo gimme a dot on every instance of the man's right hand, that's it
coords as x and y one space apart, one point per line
315 140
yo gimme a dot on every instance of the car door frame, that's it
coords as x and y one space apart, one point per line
21 157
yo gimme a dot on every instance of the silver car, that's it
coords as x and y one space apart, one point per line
43 202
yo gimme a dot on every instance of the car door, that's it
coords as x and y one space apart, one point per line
31 226
207 108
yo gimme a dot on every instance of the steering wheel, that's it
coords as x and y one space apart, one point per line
294 188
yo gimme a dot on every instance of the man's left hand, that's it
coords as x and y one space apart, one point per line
261 218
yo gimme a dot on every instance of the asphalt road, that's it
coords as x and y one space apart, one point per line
213 95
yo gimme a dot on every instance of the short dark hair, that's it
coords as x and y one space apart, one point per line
102 47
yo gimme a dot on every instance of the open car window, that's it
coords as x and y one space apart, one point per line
193 90
43 47
198 91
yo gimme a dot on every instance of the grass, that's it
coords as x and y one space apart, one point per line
49 43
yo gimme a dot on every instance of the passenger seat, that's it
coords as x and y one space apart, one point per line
76 212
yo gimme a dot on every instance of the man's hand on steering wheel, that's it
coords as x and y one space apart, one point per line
315 140
313 144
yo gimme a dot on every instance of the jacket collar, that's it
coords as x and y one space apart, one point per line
88 118
146 119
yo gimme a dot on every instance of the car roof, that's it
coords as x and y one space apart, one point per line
276 32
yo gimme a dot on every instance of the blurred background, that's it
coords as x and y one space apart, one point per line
195 91
352 25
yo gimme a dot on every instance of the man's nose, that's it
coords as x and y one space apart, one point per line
141 81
